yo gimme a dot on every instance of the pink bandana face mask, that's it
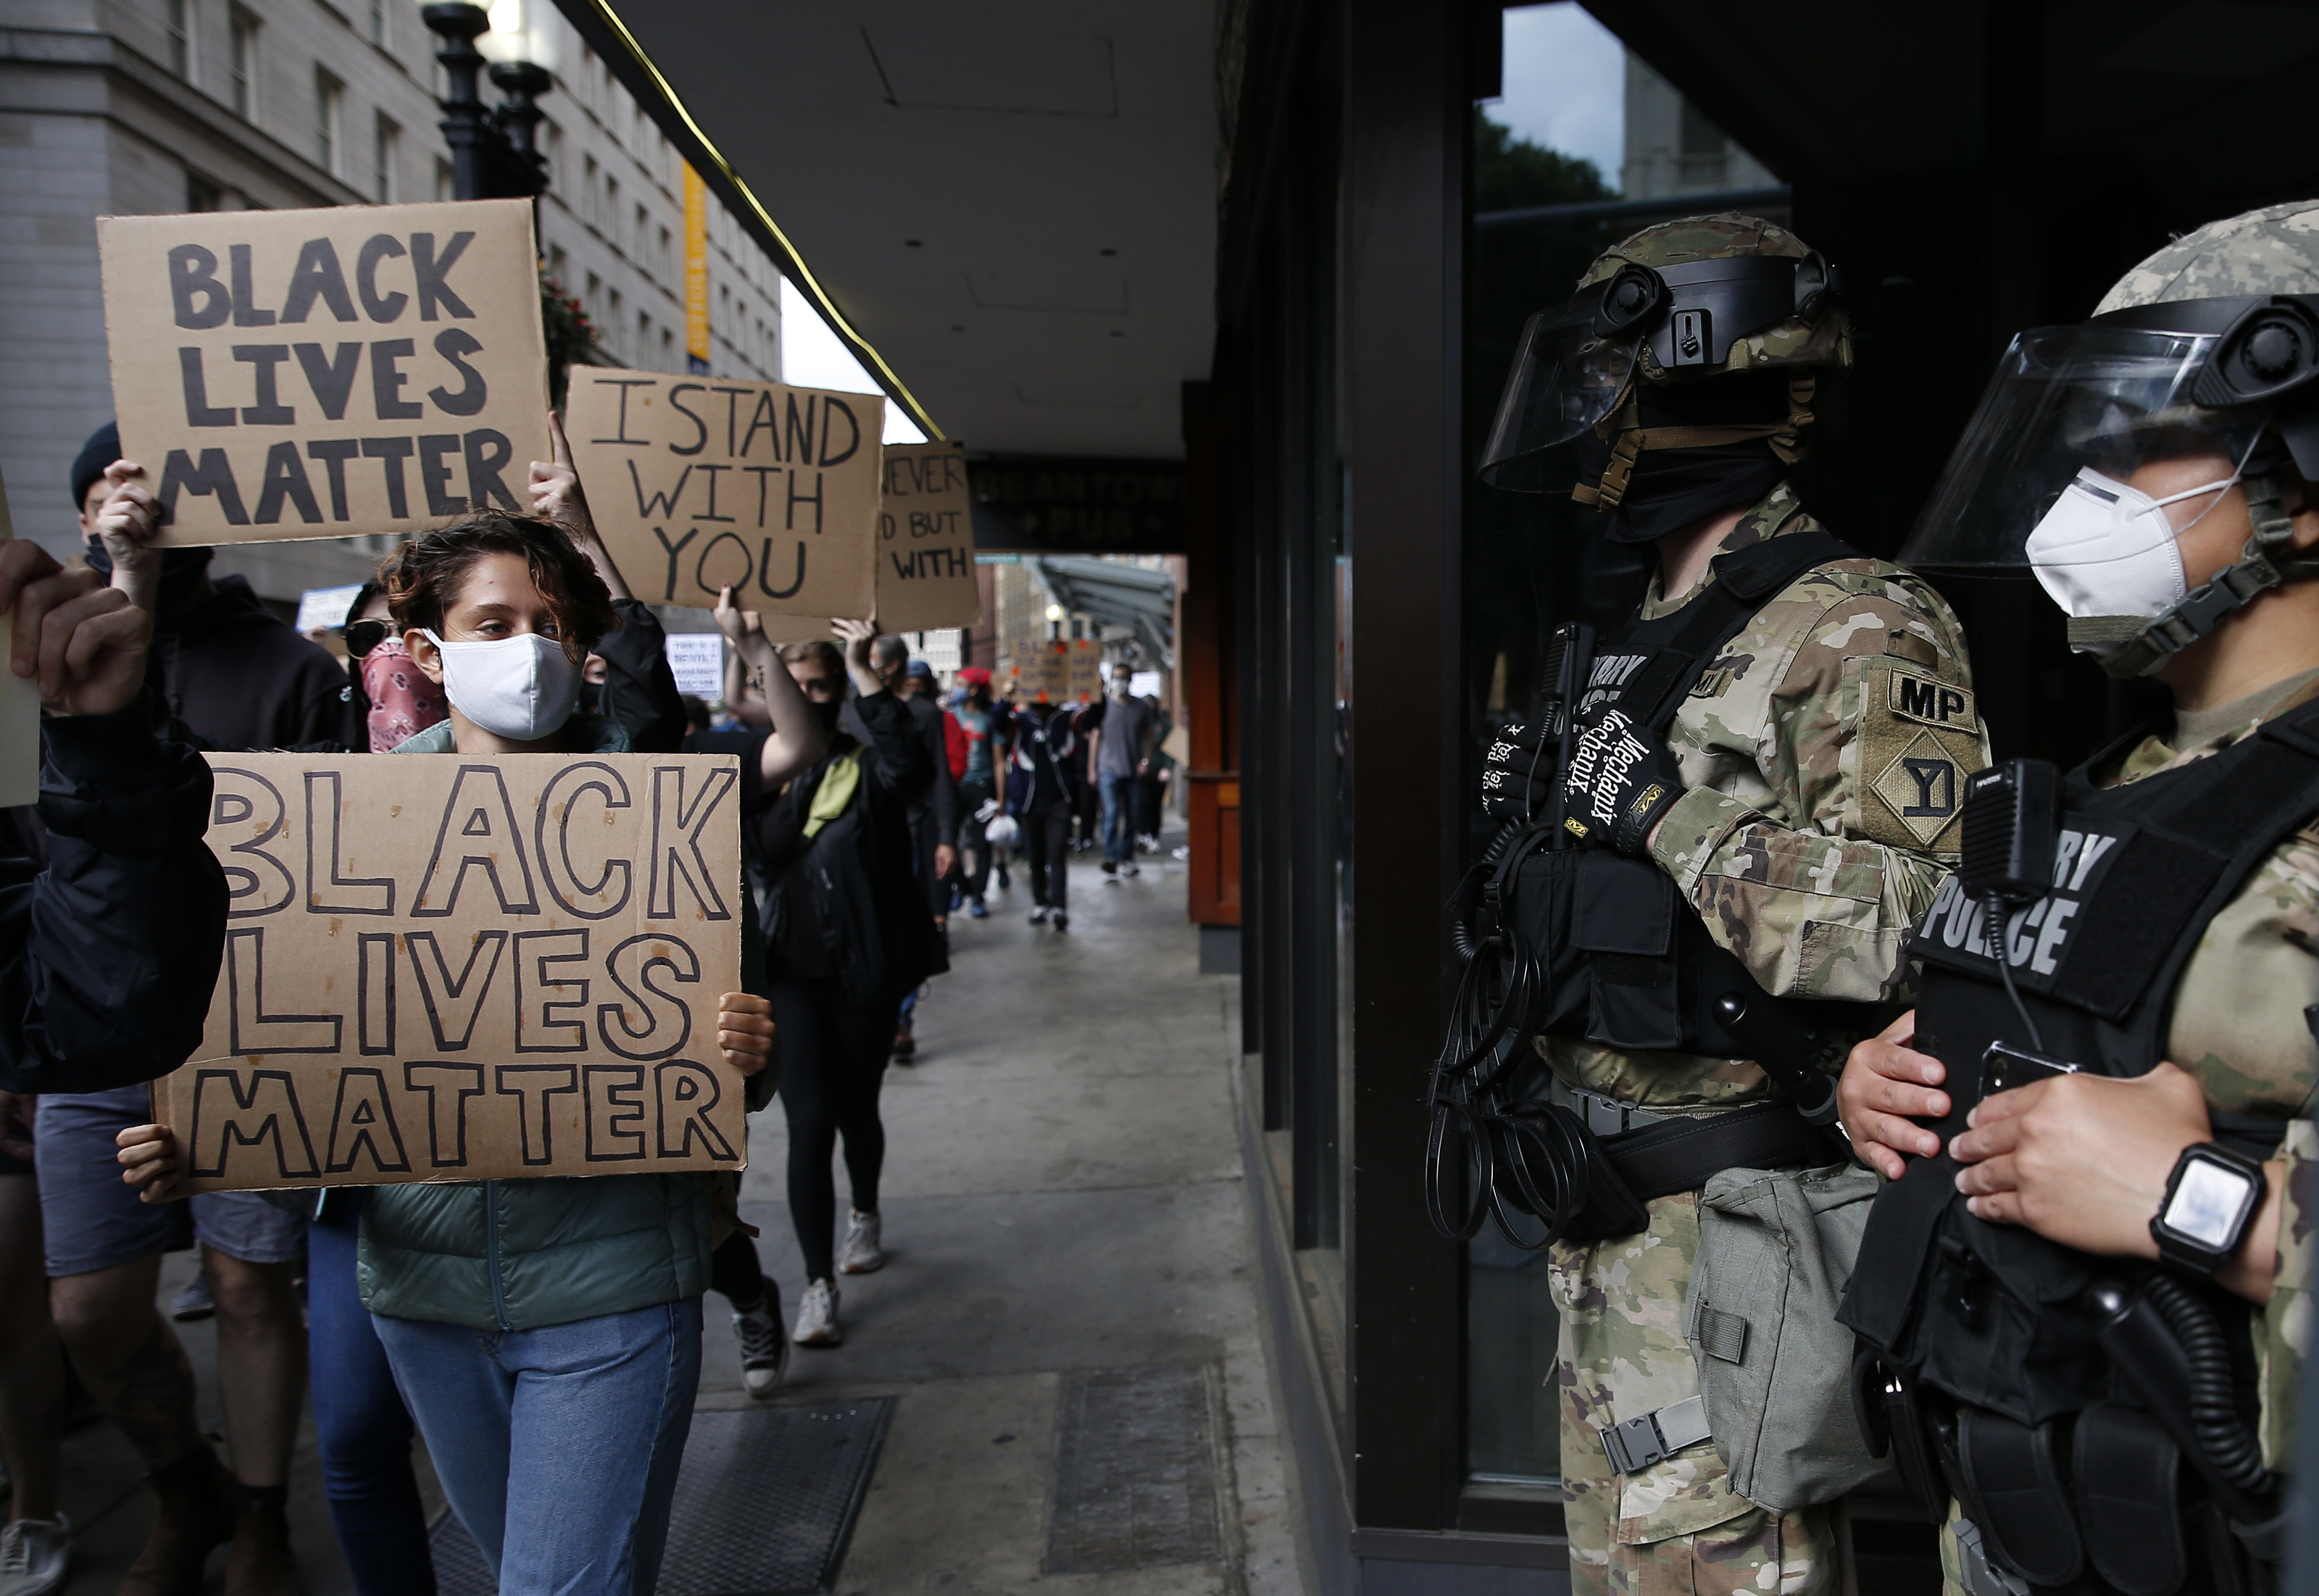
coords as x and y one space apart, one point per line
403 702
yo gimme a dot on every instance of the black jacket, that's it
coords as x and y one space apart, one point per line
639 687
108 957
845 907
238 678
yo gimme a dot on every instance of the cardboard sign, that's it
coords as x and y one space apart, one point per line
314 374
1040 673
696 484
925 540
20 709
456 969
1083 669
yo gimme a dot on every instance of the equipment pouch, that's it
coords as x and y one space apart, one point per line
1623 915
1776 1248
2129 1500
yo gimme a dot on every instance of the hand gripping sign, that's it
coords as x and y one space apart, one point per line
455 968
696 484
316 373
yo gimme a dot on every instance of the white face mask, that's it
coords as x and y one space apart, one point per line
522 688
2108 549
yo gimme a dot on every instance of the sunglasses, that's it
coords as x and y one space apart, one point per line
363 636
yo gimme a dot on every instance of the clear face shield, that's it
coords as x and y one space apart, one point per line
1577 362
2088 451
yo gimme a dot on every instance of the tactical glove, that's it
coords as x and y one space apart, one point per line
1621 779
1516 775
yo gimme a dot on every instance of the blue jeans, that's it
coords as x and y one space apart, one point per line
557 1447
1118 818
364 1428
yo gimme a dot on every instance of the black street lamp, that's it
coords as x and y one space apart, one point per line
494 154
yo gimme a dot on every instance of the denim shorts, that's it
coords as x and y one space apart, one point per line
93 1220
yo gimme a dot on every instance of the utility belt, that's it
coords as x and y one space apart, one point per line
1657 1154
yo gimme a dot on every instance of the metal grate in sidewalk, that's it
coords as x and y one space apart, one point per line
1135 1471
764 1505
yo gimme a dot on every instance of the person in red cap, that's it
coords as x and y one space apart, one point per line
986 729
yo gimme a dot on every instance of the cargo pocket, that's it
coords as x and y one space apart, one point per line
1775 1249
1623 918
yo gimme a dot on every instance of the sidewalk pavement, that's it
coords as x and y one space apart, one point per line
1063 1193
1065 1214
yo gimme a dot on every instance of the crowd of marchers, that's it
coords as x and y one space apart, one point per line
543 1337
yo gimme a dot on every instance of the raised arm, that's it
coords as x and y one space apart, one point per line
799 739
557 496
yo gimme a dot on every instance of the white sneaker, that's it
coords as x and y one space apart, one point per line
861 1255
764 1350
33 1554
817 1321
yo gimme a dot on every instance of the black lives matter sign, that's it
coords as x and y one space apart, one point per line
454 968
318 373
698 484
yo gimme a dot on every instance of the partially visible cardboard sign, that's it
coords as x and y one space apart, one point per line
313 373
925 540
1039 672
458 969
697 661
1083 669
696 484
19 708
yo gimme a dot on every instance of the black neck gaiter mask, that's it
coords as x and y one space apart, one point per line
1671 488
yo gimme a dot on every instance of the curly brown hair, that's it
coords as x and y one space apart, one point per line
423 577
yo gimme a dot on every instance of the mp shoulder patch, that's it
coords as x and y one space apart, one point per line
1919 739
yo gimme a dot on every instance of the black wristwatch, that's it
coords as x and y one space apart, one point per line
2210 1198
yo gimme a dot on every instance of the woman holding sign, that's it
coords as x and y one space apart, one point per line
544 1333
846 935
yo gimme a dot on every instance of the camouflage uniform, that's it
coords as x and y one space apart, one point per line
1793 843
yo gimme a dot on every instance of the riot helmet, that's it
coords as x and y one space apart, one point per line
2071 469
1678 380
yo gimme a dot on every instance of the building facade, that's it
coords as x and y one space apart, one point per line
120 107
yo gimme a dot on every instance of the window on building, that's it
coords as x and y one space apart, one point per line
612 314
551 145
1706 157
202 195
241 64
594 296
557 263
446 185
329 107
667 349
181 38
664 260
377 21
588 189
640 240
386 140
643 350
611 219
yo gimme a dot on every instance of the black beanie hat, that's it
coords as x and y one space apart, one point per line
102 449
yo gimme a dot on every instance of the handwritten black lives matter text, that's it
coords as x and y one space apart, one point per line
507 975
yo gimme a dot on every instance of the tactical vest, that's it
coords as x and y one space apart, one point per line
1992 1322
1625 961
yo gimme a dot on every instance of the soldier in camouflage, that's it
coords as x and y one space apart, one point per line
1803 801
2220 503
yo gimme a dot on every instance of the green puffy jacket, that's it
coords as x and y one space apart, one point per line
522 1254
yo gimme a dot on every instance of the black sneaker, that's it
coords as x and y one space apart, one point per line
1060 921
1111 867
